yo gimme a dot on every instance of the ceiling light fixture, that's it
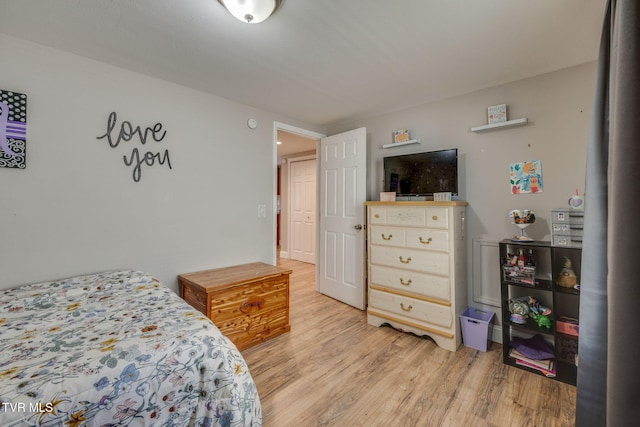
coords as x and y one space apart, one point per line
251 11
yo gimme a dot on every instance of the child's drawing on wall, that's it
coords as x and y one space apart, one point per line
525 177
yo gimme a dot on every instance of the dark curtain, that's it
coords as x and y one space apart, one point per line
609 345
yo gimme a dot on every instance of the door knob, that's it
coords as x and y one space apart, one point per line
358 227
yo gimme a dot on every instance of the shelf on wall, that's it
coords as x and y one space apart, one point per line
508 123
398 144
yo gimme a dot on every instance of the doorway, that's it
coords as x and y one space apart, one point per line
302 202
294 233
340 195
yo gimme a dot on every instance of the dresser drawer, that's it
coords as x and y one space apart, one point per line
387 236
411 259
425 238
567 216
426 285
415 217
433 217
567 230
437 218
377 215
423 311
417 238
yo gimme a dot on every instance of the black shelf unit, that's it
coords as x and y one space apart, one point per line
563 301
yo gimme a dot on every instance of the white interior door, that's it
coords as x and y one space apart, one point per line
303 210
341 263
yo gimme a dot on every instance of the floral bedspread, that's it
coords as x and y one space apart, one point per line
117 349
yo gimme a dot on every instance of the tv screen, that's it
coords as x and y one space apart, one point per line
422 174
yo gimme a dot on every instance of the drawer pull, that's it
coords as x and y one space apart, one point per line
405 261
387 238
435 217
403 283
251 304
376 216
406 308
425 242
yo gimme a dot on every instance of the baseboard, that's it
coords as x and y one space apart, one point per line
496 334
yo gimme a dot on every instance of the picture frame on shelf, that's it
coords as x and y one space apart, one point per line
442 197
387 196
401 135
497 114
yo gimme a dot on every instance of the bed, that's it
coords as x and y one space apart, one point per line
117 349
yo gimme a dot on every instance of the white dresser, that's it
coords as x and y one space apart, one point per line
417 268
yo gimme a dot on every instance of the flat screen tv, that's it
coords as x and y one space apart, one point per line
422 174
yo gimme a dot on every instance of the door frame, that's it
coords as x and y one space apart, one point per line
308 134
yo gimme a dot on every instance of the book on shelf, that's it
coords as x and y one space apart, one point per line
545 366
547 372
541 363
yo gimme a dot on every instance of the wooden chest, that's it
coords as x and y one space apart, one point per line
249 303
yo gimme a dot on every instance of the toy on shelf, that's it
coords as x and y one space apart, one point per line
522 219
576 201
528 306
567 277
519 308
542 321
539 313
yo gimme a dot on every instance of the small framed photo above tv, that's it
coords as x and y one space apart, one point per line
422 174
497 114
401 135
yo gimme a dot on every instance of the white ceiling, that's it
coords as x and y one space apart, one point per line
322 61
294 144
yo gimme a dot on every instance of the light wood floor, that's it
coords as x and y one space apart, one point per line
333 369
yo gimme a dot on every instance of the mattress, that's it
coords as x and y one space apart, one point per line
116 349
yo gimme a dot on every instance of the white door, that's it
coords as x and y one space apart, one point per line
341 262
303 210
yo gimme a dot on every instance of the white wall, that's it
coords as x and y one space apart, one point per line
558 106
76 209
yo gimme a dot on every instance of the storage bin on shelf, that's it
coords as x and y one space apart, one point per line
567 227
568 326
475 328
567 349
521 275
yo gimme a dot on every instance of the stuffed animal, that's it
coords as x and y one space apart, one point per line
541 320
567 277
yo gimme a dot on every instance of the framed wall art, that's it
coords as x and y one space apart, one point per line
13 129
525 177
